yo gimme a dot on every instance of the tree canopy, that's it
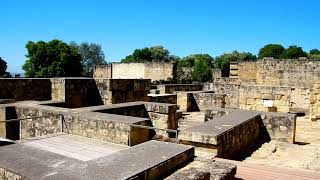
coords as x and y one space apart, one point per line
52 59
271 50
223 62
3 67
199 66
293 52
91 56
152 54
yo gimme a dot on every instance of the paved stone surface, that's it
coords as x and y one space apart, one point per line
77 147
36 163
222 124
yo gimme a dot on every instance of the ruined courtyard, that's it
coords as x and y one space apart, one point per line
125 124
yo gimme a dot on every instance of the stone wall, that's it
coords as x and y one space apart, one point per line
171 88
25 89
207 100
6 174
231 92
113 91
50 124
276 126
247 70
154 71
103 71
315 102
279 126
235 141
278 72
128 71
263 98
160 71
163 98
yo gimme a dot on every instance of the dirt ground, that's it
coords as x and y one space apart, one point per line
305 155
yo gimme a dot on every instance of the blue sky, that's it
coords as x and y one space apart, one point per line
182 26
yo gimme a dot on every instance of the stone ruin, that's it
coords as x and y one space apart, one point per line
104 128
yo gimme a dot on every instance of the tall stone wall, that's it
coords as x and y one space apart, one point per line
263 98
103 71
154 71
159 71
128 71
21 89
231 92
247 71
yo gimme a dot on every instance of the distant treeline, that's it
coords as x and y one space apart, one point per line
59 59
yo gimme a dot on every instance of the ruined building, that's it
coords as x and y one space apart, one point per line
119 126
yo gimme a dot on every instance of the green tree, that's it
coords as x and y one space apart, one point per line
201 71
314 54
271 50
52 59
152 54
293 52
196 67
3 67
223 61
91 56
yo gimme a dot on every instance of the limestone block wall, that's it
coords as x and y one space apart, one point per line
255 97
247 70
279 126
163 98
171 88
38 126
207 100
159 71
106 129
25 89
236 140
6 174
291 72
103 71
154 71
76 92
230 90
315 102
128 71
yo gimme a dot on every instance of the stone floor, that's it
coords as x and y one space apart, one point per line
303 156
77 147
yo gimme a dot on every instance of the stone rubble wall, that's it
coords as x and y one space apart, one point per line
276 126
252 97
279 72
315 102
165 98
231 92
236 140
103 71
6 174
171 88
154 71
21 89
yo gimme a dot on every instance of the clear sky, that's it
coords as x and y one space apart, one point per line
182 26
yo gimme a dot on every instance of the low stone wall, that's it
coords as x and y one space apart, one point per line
163 98
6 174
113 91
21 89
279 126
199 101
170 88
238 139
102 126
275 126
207 100
230 90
